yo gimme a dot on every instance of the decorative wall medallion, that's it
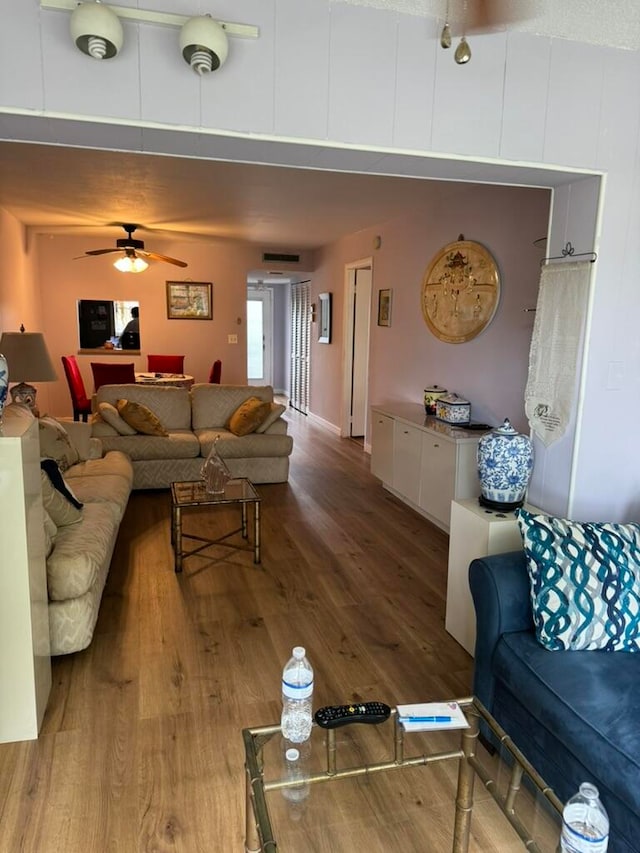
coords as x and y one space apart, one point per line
460 291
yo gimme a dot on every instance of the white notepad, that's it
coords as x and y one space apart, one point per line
430 716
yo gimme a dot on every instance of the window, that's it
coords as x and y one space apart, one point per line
103 320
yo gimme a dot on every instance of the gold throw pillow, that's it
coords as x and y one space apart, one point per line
248 416
140 417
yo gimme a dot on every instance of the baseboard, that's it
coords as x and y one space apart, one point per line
323 423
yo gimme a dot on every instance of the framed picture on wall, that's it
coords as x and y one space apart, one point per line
384 307
324 336
189 300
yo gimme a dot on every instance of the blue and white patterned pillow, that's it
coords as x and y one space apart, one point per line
585 582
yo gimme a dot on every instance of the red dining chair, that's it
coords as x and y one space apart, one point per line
215 374
165 363
79 400
105 373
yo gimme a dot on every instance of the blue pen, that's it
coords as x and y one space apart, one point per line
425 719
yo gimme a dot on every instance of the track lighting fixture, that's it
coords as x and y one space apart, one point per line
96 30
203 43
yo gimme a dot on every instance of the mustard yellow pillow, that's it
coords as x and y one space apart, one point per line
248 416
140 417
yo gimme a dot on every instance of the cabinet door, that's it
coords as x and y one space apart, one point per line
438 477
407 450
382 447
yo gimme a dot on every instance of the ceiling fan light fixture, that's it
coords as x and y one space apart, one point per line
96 30
203 44
131 264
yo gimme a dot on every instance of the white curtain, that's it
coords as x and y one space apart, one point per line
556 348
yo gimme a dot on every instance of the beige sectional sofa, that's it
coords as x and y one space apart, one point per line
79 543
193 419
78 566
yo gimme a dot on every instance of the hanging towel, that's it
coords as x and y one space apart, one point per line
555 353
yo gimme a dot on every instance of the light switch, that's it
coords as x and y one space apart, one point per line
232 339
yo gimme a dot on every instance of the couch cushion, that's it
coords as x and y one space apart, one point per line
171 405
140 417
79 551
56 444
113 462
50 533
109 488
63 513
585 582
248 416
53 472
275 411
112 416
585 699
177 445
232 446
213 405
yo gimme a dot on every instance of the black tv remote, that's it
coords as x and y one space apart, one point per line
333 716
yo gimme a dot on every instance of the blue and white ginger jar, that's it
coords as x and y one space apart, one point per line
4 383
505 463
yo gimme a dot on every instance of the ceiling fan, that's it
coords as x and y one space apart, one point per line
478 16
134 257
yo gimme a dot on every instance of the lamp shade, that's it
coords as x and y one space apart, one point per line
27 357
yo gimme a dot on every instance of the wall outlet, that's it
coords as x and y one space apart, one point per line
232 339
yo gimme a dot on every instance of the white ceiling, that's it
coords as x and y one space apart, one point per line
55 189
614 23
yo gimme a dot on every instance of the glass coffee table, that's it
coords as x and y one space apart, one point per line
192 493
377 788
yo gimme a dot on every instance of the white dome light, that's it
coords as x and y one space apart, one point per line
204 44
96 30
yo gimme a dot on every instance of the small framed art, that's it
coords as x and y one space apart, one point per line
384 307
189 300
324 300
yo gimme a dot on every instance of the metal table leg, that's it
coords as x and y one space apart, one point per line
256 532
464 795
177 538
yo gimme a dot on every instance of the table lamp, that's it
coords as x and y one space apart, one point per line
27 361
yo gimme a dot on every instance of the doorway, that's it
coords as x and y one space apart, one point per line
358 286
259 336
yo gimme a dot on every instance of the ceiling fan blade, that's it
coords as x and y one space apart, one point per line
156 257
485 15
97 252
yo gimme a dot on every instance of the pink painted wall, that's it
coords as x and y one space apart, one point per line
19 302
490 370
63 281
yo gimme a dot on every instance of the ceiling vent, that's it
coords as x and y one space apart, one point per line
280 257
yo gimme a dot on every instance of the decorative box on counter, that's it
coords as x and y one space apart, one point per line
453 409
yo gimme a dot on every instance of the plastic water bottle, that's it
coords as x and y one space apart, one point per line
297 693
585 823
295 768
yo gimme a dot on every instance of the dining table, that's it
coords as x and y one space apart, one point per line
175 380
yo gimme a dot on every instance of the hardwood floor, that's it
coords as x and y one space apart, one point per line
141 747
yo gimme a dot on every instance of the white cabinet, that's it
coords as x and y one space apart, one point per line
423 461
438 475
25 665
475 532
382 447
407 450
